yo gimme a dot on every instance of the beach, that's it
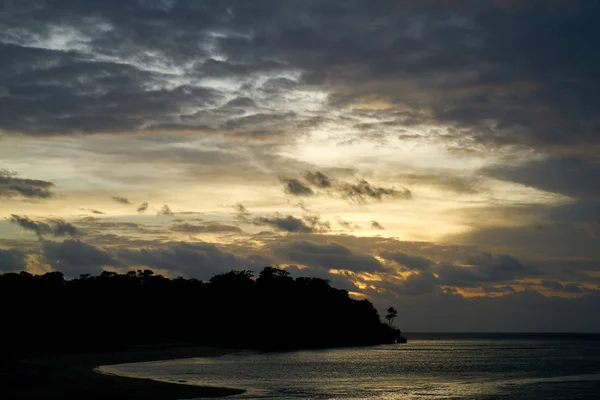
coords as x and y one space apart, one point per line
73 376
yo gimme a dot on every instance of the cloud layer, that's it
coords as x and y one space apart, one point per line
418 153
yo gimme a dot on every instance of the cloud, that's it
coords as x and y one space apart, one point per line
447 181
486 268
559 287
347 225
139 76
295 187
262 125
242 212
549 239
73 257
97 225
62 228
328 256
376 225
142 207
198 260
13 186
416 285
526 311
122 200
570 176
478 270
411 262
318 179
12 260
358 192
362 190
286 223
302 205
211 227
316 223
165 210
93 211
54 227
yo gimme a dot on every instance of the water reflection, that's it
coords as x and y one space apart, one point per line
462 369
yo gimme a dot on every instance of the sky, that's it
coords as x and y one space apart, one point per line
441 157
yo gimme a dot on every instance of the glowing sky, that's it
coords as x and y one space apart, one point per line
441 157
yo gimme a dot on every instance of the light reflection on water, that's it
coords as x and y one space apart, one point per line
428 369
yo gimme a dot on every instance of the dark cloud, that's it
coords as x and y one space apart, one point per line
67 92
524 311
295 187
376 225
479 270
559 287
358 192
316 223
362 190
536 240
335 280
535 83
416 285
142 207
407 260
11 260
318 179
73 257
62 228
347 224
327 256
198 260
122 200
211 227
486 268
54 227
570 176
289 223
13 186
242 212
165 210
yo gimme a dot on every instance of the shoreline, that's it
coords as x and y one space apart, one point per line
77 376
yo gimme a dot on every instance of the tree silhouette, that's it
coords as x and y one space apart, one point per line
391 315
112 311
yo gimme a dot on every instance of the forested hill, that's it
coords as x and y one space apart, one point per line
234 309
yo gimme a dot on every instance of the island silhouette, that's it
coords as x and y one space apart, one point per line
112 311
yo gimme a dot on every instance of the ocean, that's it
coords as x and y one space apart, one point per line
429 366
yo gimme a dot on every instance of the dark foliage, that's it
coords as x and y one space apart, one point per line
112 311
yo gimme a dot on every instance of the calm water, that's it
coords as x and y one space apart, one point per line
428 367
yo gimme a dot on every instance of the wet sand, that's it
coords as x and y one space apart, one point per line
67 377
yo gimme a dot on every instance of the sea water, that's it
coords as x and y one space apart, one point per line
427 367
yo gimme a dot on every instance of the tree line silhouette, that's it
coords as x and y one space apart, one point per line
112 311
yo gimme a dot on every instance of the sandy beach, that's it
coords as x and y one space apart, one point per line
73 377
